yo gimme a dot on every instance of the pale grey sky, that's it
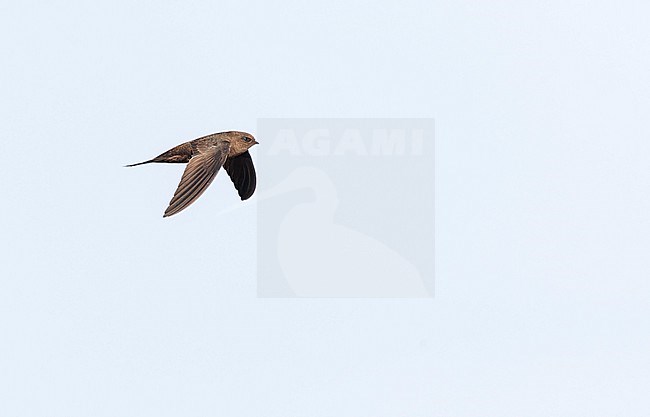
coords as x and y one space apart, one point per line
542 232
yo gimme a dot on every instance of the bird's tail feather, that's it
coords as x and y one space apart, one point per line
139 163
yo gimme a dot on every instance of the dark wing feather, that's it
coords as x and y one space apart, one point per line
242 173
198 175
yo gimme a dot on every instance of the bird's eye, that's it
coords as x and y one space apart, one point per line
247 139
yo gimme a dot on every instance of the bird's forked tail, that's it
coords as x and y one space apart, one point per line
139 163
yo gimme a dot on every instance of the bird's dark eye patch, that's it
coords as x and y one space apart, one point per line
247 139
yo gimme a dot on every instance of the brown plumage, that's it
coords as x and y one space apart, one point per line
204 157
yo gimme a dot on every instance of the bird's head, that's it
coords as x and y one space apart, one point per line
240 142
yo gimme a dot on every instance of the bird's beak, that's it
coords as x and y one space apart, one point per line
255 142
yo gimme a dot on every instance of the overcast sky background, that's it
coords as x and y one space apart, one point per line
542 228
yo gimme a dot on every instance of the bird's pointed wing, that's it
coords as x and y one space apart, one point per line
198 175
242 173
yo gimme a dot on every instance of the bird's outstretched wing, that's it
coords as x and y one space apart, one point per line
242 173
198 175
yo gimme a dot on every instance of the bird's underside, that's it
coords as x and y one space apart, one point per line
204 158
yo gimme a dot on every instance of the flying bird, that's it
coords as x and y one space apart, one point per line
204 157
